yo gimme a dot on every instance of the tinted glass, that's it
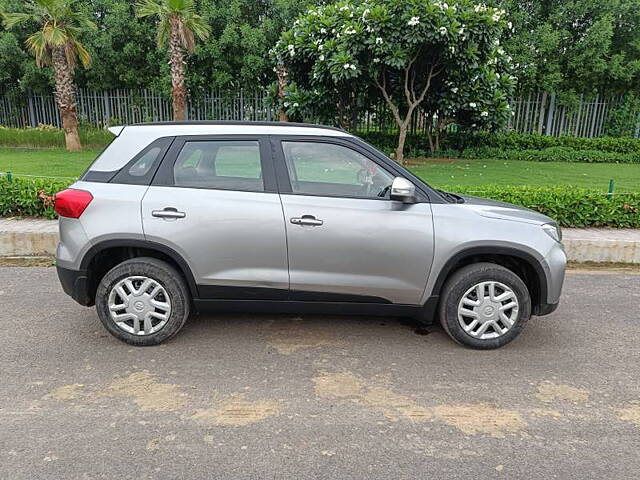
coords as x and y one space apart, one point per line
334 170
228 165
142 166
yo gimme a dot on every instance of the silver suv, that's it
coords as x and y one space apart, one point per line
173 218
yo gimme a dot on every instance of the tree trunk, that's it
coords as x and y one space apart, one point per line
177 62
402 136
66 99
281 73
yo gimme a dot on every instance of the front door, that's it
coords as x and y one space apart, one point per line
347 241
215 202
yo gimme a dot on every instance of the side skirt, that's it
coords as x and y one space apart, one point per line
291 306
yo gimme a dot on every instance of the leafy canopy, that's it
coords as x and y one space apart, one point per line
183 12
60 24
445 57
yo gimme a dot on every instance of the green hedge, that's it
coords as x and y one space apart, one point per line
516 146
522 141
552 154
21 197
571 207
50 137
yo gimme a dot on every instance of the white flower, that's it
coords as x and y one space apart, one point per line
323 30
484 114
346 7
510 25
321 58
461 31
292 50
378 40
320 47
295 104
413 21
346 66
452 49
495 17
473 105
443 30
350 31
376 60
454 90
352 66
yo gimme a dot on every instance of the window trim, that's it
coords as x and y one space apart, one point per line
164 176
282 172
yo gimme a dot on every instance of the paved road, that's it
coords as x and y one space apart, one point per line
249 396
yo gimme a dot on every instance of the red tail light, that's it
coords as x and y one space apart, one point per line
71 202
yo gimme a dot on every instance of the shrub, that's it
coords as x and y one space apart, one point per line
517 146
521 141
552 154
46 136
570 207
28 197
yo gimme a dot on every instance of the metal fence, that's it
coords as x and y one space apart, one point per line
126 106
540 112
536 112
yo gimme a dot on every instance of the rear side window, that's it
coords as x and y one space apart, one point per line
220 164
142 167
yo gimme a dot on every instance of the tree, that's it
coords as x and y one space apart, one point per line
415 53
57 43
179 24
575 45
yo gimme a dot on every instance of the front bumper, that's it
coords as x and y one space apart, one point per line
75 283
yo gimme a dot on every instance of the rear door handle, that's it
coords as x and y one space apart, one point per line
168 212
306 220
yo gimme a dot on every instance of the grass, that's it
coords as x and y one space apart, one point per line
59 163
478 172
52 162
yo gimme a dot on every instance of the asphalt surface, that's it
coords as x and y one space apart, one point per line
260 396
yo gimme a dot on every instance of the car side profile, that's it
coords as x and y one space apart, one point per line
173 218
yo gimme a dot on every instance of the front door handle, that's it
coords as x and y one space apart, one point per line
168 212
306 220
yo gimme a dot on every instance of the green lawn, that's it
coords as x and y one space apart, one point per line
478 172
46 162
59 163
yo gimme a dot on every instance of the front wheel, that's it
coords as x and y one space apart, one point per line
143 301
484 306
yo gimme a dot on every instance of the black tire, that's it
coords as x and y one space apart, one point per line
163 273
464 279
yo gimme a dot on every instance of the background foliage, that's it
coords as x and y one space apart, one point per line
575 46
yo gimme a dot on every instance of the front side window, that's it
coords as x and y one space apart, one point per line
328 169
219 164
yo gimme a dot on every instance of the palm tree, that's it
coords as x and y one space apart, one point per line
179 23
56 43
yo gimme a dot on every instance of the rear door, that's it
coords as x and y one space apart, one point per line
347 241
214 200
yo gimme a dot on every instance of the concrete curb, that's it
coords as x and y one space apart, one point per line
39 237
28 237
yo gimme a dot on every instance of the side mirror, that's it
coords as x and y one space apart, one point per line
403 190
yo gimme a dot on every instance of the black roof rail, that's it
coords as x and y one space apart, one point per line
240 122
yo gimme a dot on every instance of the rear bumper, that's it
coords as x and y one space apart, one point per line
75 283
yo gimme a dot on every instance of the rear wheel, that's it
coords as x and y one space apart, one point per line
484 306
143 301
